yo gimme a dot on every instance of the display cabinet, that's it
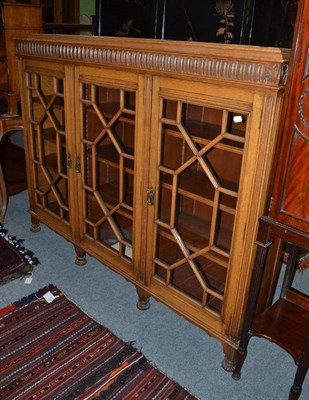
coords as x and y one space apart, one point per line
154 157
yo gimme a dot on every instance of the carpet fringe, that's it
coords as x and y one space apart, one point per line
23 301
18 245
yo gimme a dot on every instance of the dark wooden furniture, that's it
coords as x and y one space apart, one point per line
55 11
147 153
17 21
12 163
71 29
286 322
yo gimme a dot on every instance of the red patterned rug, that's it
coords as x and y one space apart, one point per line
15 260
50 349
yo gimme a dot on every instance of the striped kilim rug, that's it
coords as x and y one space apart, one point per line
15 260
51 349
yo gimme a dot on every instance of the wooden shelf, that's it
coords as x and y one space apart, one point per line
58 102
110 196
194 232
49 135
286 324
108 154
53 207
109 110
216 276
203 133
51 162
123 219
191 187
183 278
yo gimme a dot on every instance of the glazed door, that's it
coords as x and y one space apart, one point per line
110 177
48 132
197 156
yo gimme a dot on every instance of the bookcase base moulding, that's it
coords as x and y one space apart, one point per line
154 157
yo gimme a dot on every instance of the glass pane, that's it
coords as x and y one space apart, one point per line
108 136
48 136
199 171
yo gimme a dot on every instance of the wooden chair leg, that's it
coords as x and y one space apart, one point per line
301 372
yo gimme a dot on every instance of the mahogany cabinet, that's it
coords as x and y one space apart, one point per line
291 191
154 157
285 320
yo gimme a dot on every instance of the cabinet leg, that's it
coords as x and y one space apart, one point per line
301 373
228 363
255 285
143 299
294 393
80 256
35 224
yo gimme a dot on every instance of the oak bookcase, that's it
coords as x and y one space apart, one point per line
154 157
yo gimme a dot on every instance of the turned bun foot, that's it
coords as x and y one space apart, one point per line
35 227
80 260
80 256
228 365
143 299
143 305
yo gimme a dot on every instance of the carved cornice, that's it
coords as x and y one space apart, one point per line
260 73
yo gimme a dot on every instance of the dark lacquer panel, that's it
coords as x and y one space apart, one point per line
257 22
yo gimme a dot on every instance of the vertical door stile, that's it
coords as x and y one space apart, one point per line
154 146
69 104
142 153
